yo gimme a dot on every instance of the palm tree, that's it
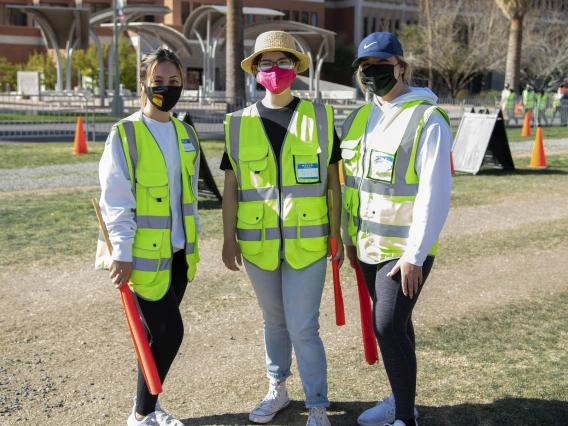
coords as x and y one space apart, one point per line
234 47
515 11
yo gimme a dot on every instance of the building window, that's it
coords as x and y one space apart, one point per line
286 16
149 18
304 18
296 16
365 26
314 19
397 25
15 17
250 18
196 5
373 25
184 11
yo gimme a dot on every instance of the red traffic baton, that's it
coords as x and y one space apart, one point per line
369 341
141 345
337 293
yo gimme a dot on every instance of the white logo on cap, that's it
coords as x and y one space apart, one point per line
368 45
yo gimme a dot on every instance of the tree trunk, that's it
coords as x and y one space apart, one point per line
234 47
514 53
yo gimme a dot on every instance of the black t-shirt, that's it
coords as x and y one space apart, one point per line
276 122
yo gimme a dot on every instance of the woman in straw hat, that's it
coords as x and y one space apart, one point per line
396 156
281 157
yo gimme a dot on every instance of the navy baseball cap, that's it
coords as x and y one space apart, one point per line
378 45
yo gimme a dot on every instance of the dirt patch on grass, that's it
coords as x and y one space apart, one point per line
506 215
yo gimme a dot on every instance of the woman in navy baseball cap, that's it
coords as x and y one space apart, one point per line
396 163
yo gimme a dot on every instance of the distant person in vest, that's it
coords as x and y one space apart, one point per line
281 157
396 157
529 100
148 172
558 108
508 103
541 105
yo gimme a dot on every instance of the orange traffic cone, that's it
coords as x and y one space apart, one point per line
526 131
452 163
538 159
80 144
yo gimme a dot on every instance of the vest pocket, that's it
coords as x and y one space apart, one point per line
146 255
249 227
313 225
351 206
152 196
255 157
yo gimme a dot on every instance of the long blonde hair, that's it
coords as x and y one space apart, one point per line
149 63
406 75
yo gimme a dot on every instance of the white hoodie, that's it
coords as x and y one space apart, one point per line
432 164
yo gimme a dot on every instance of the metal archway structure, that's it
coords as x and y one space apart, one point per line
62 28
206 25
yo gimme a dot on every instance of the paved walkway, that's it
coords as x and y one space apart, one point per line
86 174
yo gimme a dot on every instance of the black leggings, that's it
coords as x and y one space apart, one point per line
164 327
392 323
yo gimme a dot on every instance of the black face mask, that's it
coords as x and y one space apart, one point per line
379 79
163 97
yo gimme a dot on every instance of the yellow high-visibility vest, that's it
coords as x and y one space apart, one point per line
152 249
282 206
380 207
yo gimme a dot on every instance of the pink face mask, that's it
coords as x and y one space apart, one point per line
276 80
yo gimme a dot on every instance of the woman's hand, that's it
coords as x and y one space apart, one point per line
410 277
339 256
120 273
351 253
232 254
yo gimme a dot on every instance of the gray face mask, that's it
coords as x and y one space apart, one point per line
379 78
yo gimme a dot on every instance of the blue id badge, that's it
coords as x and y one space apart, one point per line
381 167
187 145
307 172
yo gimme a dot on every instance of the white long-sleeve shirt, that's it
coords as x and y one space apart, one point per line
433 168
117 201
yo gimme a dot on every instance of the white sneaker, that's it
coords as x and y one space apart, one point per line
149 420
318 417
400 423
275 400
383 412
158 417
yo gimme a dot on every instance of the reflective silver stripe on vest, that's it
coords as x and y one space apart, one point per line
385 230
300 191
258 194
256 234
153 222
188 209
310 231
351 181
189 248
131 140
151 265
193 138
400 187
348 122
234 137
356 219
322 125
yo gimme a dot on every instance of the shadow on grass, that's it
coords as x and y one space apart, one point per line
209 204
502 412
516 172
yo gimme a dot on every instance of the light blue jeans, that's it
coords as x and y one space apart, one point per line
290 301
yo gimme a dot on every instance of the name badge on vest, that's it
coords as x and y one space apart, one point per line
187 145
307 172
381 167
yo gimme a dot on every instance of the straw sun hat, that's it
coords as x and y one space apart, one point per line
276 41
